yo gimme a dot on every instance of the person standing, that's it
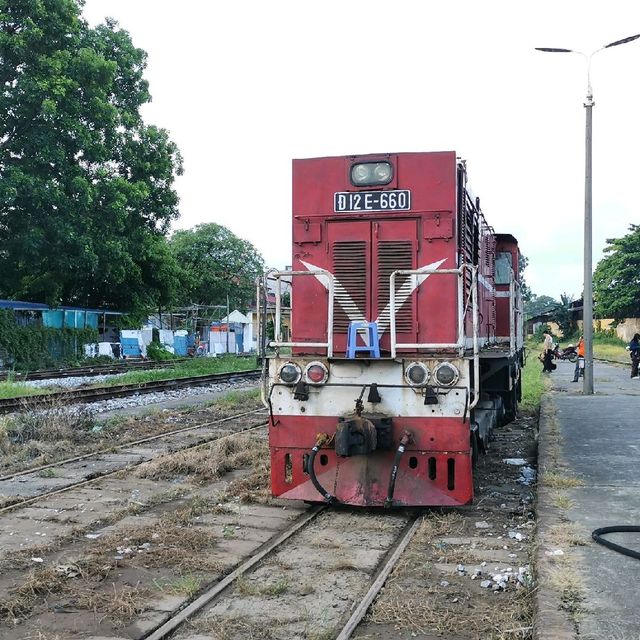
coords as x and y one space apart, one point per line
547 351
580 360
634 352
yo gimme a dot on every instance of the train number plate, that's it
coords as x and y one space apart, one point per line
350 201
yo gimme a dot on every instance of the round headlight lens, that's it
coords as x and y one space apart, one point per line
316 373
289 373
361 174
446 374
382 172
417 374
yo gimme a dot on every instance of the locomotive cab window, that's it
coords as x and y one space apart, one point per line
504 265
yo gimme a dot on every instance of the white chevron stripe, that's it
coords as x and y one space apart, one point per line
384 320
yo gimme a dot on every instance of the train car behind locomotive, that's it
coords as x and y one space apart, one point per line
406 334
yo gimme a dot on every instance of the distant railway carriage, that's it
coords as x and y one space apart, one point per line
406 334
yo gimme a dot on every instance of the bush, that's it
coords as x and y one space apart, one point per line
537 335
155 351
29 348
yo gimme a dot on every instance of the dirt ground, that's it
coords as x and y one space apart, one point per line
116 559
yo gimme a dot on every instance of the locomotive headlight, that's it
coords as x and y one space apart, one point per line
382 172
371 173
316 373
289 373
416 374
446 374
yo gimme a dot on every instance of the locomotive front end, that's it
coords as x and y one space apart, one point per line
374 385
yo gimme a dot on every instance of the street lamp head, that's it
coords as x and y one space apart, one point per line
623 41
555 50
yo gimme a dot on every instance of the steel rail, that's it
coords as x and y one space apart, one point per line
173 623
91 370
380 579
117 391
126 467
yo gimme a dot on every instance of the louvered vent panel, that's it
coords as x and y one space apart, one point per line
350 271
394 255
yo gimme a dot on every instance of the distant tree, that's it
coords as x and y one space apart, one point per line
616 280
563 317
215 263
527 294
537 305
86 187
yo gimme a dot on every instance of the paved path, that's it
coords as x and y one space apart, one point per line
589 592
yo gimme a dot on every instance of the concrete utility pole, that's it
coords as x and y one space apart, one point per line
587 307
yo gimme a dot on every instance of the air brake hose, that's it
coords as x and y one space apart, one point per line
596 535
322 438
404 441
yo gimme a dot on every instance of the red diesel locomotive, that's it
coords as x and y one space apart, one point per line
406 334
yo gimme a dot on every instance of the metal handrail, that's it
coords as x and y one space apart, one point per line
460 344
277 342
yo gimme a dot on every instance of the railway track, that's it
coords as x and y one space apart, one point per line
371 577
314 573
94 370
95 394
29 487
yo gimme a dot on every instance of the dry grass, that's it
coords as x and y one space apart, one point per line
39 583
120 604
568 534
557 480
239 626
569 584
207 463
428 610
561 501
171 546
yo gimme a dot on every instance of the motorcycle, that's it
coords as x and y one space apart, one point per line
568 353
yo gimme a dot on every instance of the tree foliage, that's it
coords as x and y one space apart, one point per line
563 316
527 294
86 187
616 280
214 264
537 305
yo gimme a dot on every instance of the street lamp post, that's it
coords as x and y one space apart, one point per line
587 307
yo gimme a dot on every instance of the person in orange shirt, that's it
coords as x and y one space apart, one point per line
579 371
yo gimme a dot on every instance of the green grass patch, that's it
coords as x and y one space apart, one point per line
18 390
534 384
613 352
194 367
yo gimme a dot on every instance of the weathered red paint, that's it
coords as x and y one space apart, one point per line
363 480
361 249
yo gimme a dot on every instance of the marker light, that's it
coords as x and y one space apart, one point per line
416 374
371 173
446 374
316 373
289 373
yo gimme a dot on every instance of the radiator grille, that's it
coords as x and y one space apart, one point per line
350 271
394 255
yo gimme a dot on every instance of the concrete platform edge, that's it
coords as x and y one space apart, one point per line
550 622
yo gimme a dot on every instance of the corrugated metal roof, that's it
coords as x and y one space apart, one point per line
19 305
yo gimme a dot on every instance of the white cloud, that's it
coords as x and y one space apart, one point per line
244 87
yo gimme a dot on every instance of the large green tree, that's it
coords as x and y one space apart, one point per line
86 187
616 281
215 264
537 305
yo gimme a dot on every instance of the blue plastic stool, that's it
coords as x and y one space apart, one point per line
371 329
